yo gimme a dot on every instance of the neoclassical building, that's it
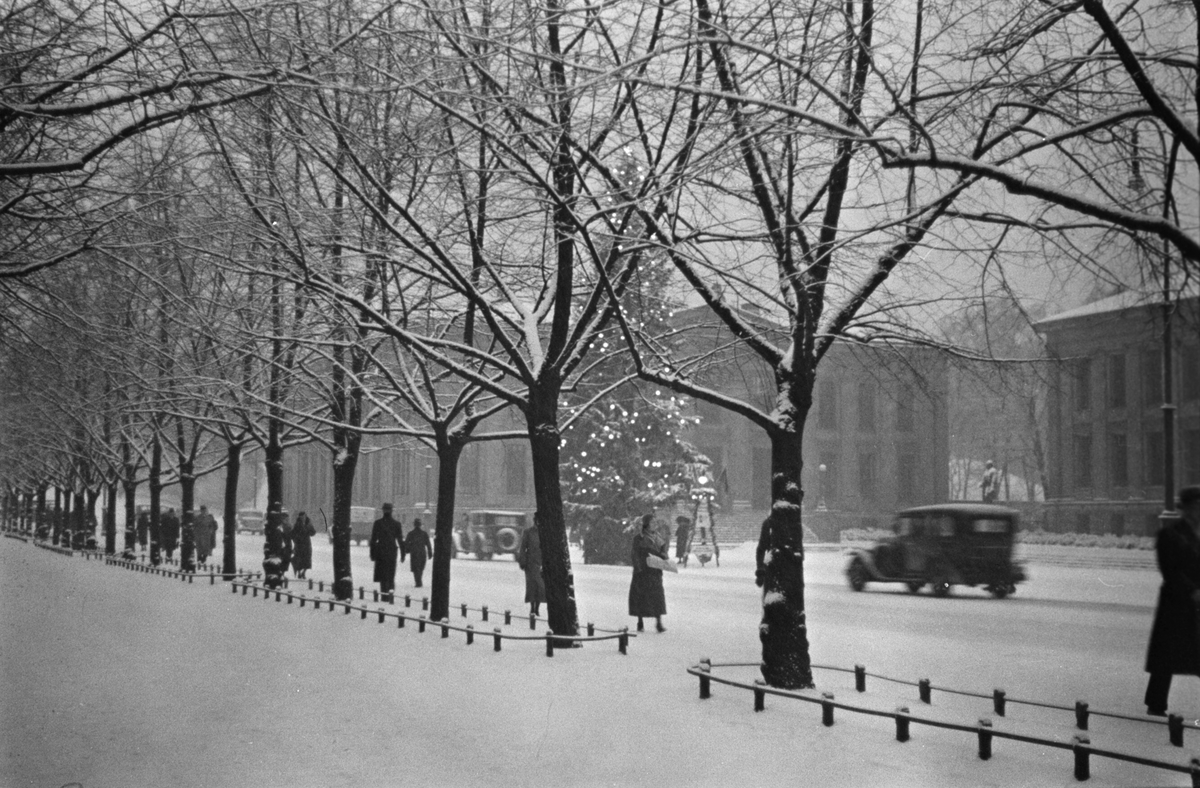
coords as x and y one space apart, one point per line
1105 455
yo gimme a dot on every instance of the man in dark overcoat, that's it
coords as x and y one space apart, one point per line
529 558
170 532
419 549
386 540
1175 638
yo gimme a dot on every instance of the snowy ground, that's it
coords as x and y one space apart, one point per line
110 678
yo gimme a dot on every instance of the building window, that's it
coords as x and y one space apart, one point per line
1151 377
905 417
468 470
516 468
1118 459
1189 374
906 477
827 415
1083 460
866 475
1083 384
1116 380
1191 456
1153 459
866 407
403 477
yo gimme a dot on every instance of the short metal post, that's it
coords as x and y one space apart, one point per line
1081 715
380 615
998 698
470 634
255 590
234 586
507 617
532 622
985 740
1083 768
860 678
400 621
421 624
362 593
445 630
302 601
290 600
1195 772
347 612
623 641
321 586
375 593
549 644
464 609
760 697
484 611
1175 729
923 690
591 629
310 584
902 723
278 595
424 603
827 709
496 639
705 684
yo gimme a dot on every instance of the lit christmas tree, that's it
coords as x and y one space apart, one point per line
625 456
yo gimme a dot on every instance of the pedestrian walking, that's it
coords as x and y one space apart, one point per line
302 533
386 539
419 548
204 531
1174 649
990 485
646 597
529 558
143 527
170 532
683 538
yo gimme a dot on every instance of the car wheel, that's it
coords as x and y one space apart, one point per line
940 586
915 585
858 576
998 590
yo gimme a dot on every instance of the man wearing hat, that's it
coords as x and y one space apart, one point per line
386 540
1174 649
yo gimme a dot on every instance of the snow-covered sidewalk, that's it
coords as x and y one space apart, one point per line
112 678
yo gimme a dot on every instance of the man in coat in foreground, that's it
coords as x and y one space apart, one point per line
386 540
419 548
1175 638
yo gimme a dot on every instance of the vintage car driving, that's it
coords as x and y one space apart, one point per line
487 533
944 545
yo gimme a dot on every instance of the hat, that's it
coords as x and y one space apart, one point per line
1189 495
387 507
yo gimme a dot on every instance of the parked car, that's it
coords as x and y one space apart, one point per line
251 521
944 545
488 532
362 520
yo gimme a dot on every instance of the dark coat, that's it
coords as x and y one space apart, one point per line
386 539
646 597
1174 645
302 534
529 558
285 550
205 530
418 547
683 540
170 531
143 527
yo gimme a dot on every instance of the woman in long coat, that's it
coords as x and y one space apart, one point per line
204 533
302 533
646 597
1175 639
529 558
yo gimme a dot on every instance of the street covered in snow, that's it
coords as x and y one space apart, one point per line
117 678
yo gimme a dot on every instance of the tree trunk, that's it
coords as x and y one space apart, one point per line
544 442
273 528
110 517
64 538
90 518
784 628
60 516
130 516
39 519
156 487
345 462
233 473
187 528
443 543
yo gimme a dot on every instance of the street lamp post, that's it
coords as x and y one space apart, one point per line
821 488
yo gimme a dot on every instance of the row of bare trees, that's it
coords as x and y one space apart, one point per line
329 220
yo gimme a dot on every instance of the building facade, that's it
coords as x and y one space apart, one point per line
1106 452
